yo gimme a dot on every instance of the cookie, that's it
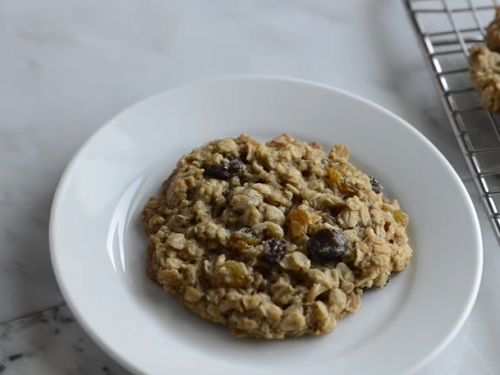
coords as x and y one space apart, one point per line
272 240
492 38
484 74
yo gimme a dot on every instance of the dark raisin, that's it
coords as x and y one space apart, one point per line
224 170
235 166
275 250
376 186
219 172
327 245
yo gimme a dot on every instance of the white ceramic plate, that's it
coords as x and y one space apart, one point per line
98 248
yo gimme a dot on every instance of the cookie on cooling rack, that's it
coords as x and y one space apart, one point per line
492 38
485 76
272 240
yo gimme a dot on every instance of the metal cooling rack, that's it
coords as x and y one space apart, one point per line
447 29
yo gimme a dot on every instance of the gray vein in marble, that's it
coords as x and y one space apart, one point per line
51 343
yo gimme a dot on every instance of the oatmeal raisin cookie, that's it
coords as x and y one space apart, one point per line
484 74
272 240
492 38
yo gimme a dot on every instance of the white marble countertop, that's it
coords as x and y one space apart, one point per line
68 66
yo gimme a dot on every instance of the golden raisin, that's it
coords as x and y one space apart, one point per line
298 222
401 218
234 275
337 176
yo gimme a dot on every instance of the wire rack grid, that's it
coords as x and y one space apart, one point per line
447 29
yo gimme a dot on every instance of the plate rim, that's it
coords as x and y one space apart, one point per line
65 179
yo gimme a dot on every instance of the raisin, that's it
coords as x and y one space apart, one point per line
224 170
376 187
235 275
338 174
235 166
298 222
401 218
327 245
275 250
